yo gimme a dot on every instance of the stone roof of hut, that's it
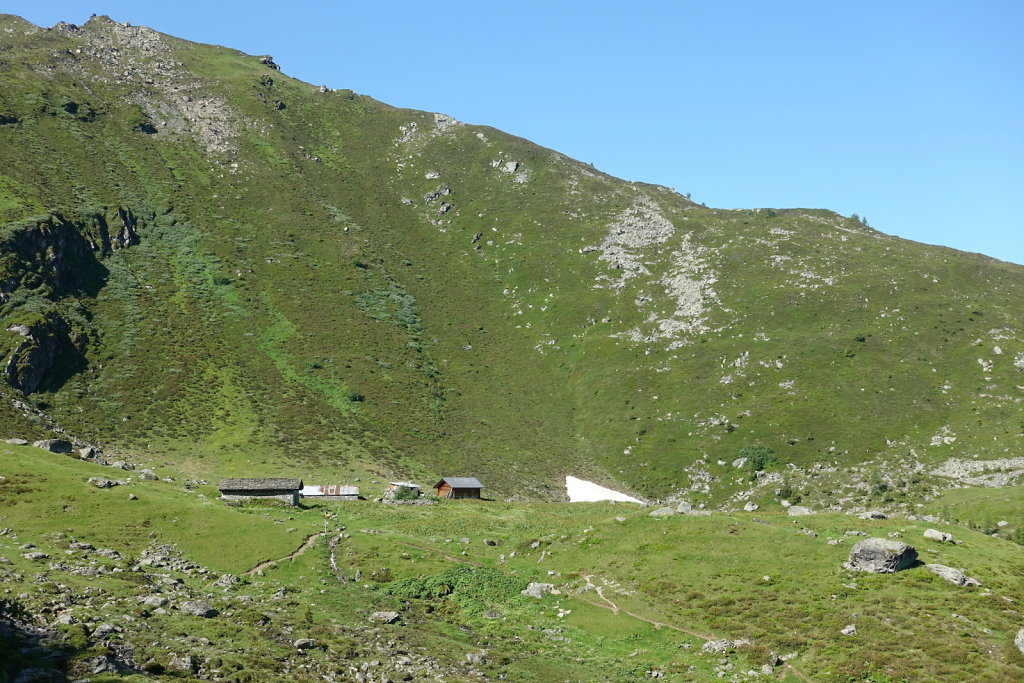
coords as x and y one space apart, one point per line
260 484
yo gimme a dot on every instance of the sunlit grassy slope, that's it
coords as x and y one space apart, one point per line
636 593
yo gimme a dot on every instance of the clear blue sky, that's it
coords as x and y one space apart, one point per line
909 113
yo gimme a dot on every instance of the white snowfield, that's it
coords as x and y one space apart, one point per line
582 491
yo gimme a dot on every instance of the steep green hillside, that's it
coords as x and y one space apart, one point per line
213 268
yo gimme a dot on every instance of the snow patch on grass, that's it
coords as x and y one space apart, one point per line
582 491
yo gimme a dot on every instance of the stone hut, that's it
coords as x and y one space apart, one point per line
284 490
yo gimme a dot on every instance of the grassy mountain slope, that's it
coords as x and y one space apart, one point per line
223 270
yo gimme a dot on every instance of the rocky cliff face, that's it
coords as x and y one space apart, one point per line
50 268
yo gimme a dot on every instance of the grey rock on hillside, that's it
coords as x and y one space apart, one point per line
881 556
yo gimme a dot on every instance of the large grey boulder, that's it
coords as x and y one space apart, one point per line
1019 641
54 445
663 512
684 507
799 511
881 556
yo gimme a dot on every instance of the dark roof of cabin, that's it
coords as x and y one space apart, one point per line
260 484
460 482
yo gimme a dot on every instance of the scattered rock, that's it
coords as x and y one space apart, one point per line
37 555
538 590
936 535
663 512
54 445
148 475
492 614
881 556
850 630
799 511
132 496
268 60
1002 523
1019 641
952 575
102 665
620 519
684 507
874 514
103 630
186 663
154 601
199 608
304 643
17 442
384 617
227 581
750 506
724 645
102 482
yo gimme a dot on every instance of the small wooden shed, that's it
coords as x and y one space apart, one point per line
284 490
331 492
458 487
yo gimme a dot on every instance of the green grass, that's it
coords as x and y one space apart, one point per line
699 578
46 493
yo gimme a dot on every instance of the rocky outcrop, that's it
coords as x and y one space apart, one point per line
44 261
881 556
48 348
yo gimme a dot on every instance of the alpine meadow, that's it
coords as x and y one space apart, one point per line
210 270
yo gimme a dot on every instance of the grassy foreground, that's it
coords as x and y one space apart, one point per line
637 596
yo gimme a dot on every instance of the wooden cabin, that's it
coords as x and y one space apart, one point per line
458 487
331 492
284 490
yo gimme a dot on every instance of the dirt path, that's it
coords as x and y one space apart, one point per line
615 608
306 545
658 624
